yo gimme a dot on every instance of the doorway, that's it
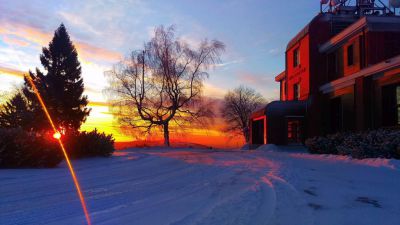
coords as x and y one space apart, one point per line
257 130
295 134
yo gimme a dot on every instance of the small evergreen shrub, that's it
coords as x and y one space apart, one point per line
90 144
382 143
321 145
21 149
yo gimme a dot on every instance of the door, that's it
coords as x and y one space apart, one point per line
257 130
295 134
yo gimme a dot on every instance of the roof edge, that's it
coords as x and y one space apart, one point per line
383 66
280 76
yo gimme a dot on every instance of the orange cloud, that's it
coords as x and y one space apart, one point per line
12 72
213 91
96 104
25 34
254 79
88 51
14 41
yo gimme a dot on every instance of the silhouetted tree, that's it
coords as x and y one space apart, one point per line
15 113
237 107
162 83
61 85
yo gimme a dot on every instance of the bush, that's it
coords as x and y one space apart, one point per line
20 149
382 143
90 144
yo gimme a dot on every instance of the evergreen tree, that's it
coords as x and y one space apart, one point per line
61 85
15 113
40 122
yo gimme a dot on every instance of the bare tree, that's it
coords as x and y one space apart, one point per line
162 83
237 108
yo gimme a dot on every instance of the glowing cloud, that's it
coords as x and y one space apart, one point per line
11 72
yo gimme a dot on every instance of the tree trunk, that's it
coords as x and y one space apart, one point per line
246 134
166 134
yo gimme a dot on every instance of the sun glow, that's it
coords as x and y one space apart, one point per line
57 135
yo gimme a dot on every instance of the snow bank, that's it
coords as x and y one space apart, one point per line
374 162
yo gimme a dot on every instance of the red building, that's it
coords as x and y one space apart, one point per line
342 73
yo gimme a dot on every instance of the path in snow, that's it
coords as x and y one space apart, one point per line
189 186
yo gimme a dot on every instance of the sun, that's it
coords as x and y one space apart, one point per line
57 135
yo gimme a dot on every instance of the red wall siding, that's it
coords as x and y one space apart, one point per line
301 73
283 90
348 70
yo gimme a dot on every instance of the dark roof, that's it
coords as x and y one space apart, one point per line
338 23
298 36
282 108
372 23
303 32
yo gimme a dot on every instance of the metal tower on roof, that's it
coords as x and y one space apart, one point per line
360 7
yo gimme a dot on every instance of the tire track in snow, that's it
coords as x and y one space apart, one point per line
216 188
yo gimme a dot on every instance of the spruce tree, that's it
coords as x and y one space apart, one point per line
15 113
61 85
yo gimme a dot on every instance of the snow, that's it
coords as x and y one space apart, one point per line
271 185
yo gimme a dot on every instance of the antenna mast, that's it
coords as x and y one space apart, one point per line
356 7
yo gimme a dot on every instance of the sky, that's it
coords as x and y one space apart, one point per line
255 33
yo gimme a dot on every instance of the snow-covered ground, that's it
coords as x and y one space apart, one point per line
189 186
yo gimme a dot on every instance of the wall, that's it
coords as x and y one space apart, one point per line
381 46
299 74
355 67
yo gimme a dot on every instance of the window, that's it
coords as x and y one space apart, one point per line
296 91
296 57
336 115
391 105
294 134
350 55
392 45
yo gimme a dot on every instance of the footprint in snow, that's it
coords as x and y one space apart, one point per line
310 191
315 206
370 201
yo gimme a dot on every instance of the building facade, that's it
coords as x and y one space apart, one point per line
342 73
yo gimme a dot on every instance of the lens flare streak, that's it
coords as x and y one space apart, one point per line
58 137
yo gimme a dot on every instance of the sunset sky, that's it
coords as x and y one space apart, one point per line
255 34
